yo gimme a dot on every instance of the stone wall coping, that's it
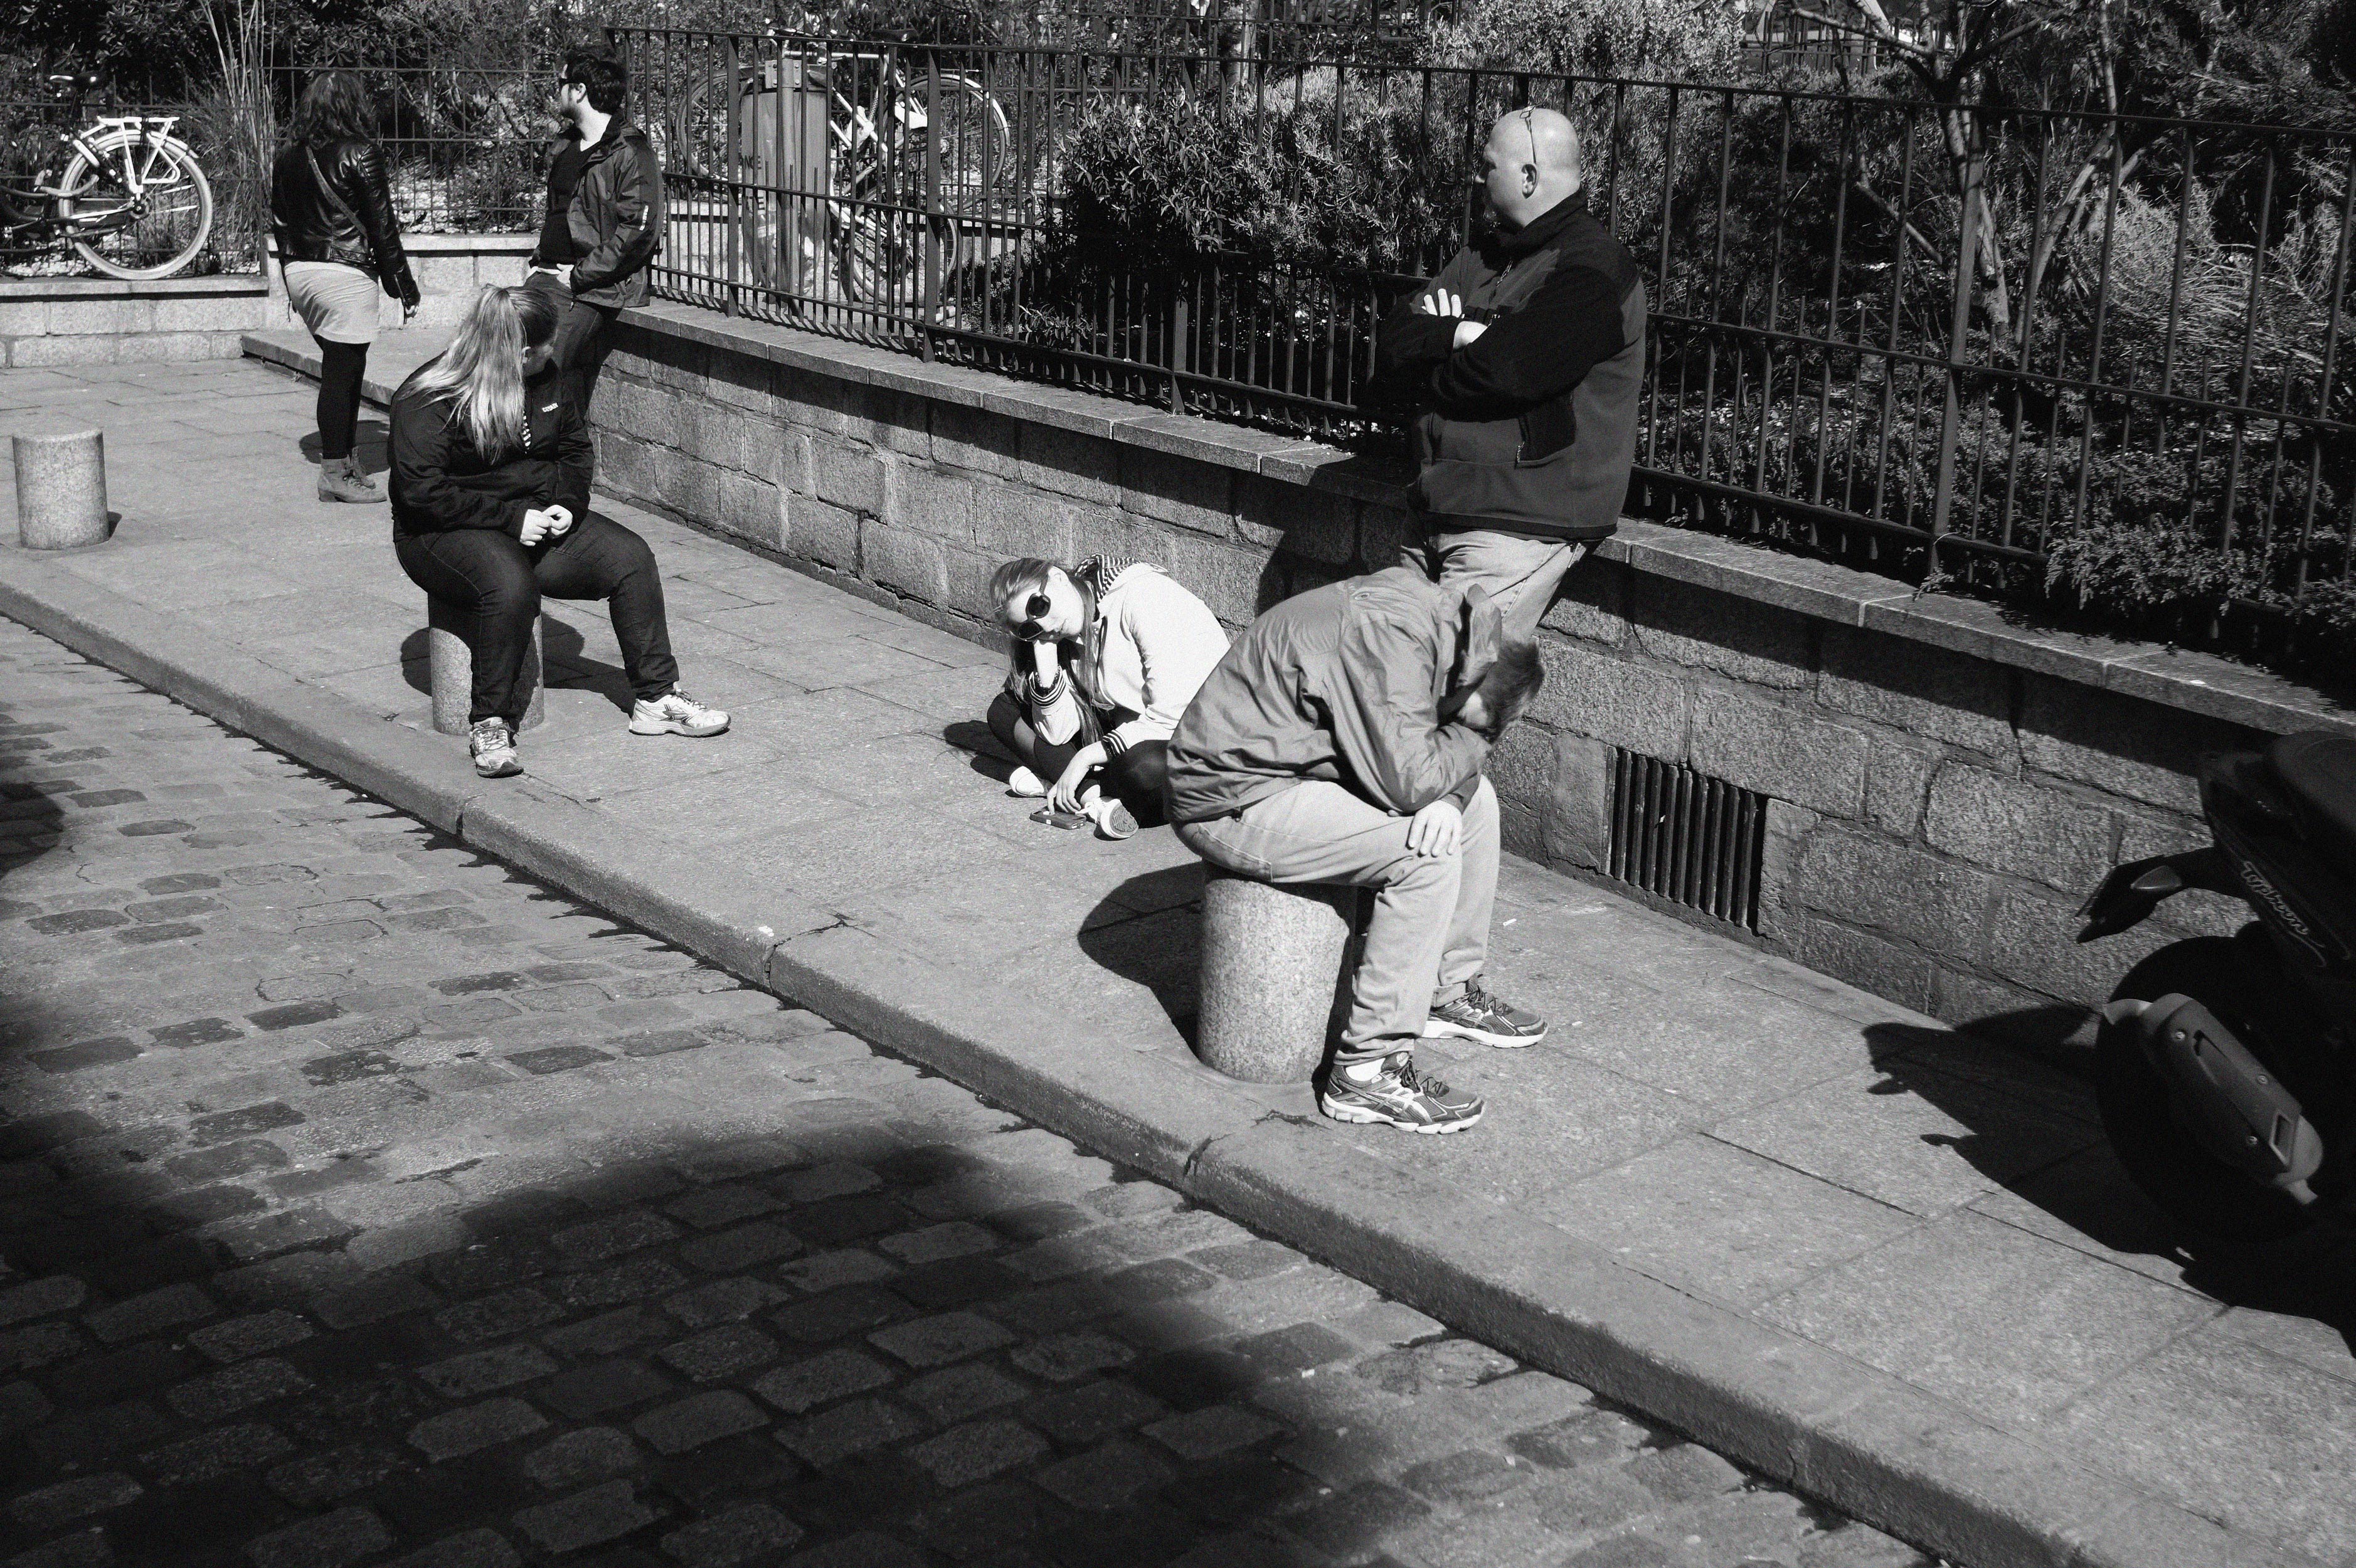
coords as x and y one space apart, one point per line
19 291
2191 682
469 244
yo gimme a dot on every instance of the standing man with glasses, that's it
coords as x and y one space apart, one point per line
1523 361
605 218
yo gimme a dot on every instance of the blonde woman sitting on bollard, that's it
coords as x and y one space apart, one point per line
1107 656
490 510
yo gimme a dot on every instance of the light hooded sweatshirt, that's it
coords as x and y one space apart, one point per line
1146 653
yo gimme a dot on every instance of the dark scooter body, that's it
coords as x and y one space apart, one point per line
2226 1080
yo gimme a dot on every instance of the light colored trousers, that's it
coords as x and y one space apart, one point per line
1520 574
1430 933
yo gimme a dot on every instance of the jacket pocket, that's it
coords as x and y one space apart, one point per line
1547 431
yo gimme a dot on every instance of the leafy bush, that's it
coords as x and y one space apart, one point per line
1697 40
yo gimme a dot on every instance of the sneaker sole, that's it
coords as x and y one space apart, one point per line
688 731
507 773
1362 1117
1434 1030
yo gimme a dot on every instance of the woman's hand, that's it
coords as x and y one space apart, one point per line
535 529
1066 795
1045 660
559 520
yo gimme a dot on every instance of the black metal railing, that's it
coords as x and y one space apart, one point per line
1938 341
464 126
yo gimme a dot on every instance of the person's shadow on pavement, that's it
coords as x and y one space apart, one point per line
2310 1275
1148 931
371 447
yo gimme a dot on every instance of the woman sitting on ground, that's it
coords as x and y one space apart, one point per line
490 509
1107 656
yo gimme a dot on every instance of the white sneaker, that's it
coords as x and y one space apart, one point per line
1025 784
676 713
494 749
1114 820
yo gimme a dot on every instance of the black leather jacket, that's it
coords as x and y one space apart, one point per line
616 218
309 226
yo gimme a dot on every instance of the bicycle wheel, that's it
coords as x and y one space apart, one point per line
879 244
699 138
977 149
141 208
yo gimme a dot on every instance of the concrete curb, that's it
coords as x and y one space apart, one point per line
1856 1438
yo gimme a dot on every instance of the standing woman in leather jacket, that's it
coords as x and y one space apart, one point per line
331 213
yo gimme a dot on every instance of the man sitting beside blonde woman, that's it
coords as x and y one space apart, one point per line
1107 656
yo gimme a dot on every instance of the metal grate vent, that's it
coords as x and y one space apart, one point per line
1687 837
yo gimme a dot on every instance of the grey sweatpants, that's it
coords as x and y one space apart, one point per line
1520 573
1429 933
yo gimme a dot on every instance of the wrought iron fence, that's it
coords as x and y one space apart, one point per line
464 126
1975 343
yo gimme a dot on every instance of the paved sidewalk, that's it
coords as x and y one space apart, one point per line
364 1198
1818 1230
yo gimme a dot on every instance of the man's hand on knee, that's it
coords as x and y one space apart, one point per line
1438 829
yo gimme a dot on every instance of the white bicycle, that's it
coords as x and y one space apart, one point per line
130 197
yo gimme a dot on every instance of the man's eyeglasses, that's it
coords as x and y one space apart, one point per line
1034 608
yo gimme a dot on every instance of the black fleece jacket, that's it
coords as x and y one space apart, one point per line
440 481
1531 427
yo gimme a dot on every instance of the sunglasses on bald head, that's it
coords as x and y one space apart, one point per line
1034 610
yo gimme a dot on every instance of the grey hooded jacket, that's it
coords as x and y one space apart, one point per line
1343 683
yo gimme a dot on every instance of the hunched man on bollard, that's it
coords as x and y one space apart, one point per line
1340 741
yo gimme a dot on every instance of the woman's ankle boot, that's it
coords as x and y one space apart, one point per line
340 479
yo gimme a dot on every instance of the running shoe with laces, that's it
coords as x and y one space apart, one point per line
1492 1020
676 713
494 748
1400 1096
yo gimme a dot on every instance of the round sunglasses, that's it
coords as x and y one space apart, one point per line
1034 608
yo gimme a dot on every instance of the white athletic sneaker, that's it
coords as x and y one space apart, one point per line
676 713
1025 784
1113 820
494 749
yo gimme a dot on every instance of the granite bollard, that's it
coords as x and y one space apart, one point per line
451 664
60 489
1274 964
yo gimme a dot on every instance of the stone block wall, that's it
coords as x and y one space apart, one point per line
1934 815
101 321
1935 818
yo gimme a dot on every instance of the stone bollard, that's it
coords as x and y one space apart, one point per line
452 665
1274 971
61 489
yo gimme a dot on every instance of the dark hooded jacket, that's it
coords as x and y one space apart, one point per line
1531 428
616 218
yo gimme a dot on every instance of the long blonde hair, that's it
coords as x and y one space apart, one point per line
483 367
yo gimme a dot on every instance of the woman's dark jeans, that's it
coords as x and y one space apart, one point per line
1134 777
503 583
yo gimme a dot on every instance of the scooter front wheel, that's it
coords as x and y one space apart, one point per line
2237 981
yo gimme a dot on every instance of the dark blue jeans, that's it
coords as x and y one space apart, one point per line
503 583
581 342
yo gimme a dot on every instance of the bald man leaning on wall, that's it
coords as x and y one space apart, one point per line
1523 361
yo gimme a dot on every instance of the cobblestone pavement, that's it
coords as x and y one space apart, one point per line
363 1202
